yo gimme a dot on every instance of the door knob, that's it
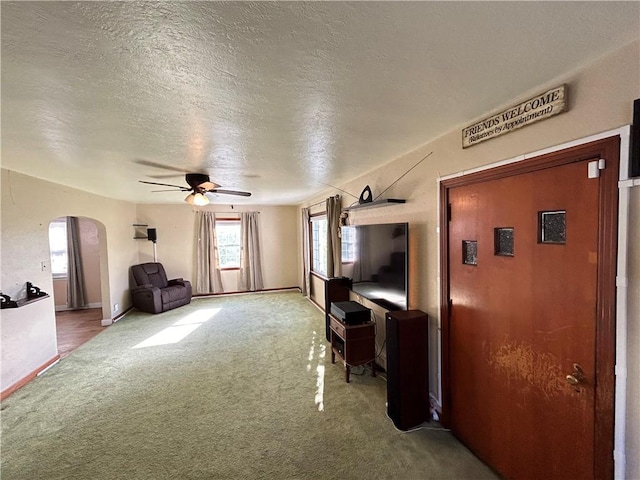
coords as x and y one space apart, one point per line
576 377
572 380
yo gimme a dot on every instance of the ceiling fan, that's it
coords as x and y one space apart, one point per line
199 186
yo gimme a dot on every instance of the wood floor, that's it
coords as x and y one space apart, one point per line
75 327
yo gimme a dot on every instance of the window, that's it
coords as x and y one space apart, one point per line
503 241
470 252
58 247
228 238
348 244
552 227
319 245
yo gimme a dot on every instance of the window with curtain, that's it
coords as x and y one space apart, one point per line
208 278
58 246
228 240
348 244
250 278
319 245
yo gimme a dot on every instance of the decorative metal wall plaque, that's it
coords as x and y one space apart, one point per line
538 108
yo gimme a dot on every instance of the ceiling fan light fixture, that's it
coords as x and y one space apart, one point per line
200 199
197 199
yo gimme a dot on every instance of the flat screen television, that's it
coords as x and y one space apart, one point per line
378 269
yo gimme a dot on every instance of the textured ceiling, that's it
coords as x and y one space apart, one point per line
272 97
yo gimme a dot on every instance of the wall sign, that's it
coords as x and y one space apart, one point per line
538 108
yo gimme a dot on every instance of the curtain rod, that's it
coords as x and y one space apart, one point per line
225 213
318 203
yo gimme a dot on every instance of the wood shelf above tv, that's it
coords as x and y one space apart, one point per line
377 203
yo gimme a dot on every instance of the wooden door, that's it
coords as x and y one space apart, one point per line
531 287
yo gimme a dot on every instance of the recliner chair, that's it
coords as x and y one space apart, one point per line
153 293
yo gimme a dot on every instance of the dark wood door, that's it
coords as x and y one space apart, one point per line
524 313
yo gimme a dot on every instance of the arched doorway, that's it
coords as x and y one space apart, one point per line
78 267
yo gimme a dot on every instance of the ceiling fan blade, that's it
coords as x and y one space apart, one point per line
172 190
230 192
184 189
168 175
208 186
148 163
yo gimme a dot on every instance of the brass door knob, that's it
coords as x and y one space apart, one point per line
576 377
572 380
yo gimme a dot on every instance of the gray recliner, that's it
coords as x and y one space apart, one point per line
153 293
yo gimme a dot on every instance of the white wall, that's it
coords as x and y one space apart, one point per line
600 98
175 227
633 339
28 206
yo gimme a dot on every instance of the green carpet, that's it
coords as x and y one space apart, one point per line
248 393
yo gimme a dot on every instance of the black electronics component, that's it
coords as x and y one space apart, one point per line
351 313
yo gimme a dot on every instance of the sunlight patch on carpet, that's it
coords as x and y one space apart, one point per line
320 388
180 329
199 316
319 397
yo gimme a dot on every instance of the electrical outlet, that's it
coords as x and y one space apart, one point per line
115 307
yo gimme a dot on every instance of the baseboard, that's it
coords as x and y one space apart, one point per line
116 318
240 292
64 308
312 300
21 383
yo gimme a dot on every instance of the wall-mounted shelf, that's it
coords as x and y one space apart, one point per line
377 203
24 301
140 231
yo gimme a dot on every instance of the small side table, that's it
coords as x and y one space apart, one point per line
353 344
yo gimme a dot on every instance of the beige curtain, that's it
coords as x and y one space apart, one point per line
76 290
250 262
208 279
306 279
334 244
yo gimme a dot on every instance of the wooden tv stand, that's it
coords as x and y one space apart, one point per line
353 344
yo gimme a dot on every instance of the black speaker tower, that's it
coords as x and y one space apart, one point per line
407 368
152 235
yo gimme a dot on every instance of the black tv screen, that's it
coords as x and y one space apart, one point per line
376 261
